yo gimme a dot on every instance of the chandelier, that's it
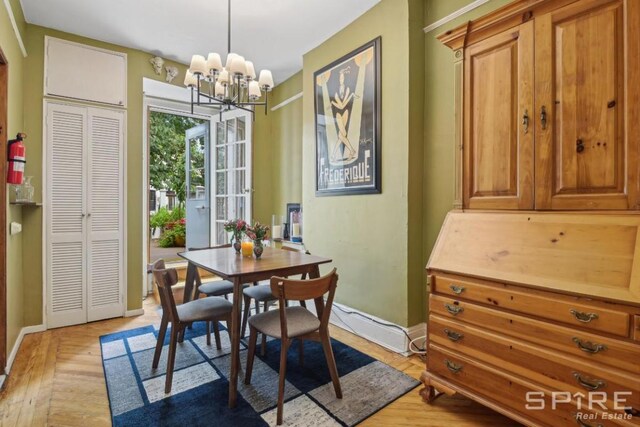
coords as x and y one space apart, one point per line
233 86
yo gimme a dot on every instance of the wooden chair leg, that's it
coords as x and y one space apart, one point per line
303 304
208 332
283 373
161 334
331 362
245 315
251 354
216 332
263 345
175 329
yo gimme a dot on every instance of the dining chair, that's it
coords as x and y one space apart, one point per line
261 293
210 309
214 288
287 323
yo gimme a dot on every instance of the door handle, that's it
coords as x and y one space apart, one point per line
525 122
543 117
203 207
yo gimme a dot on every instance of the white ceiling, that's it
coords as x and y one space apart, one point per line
274 34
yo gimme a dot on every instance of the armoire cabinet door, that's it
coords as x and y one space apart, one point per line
498 123
586 156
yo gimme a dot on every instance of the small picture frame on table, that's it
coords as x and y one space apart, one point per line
294 220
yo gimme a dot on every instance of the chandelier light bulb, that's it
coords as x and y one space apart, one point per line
251 71
223 77
254 91
214 63
238 66
230 58
198 65
190 80
266 80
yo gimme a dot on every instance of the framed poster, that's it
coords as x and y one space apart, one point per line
348 123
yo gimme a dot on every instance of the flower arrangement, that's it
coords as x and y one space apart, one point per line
257 232
236 227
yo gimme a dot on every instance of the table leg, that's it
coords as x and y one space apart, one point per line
235 342
314 272
189 282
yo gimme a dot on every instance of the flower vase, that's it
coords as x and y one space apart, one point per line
237 243
258 248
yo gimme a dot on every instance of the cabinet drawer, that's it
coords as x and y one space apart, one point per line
586 346
570 310
507 389
551 368
636 328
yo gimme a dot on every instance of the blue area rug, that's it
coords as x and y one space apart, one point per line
200 386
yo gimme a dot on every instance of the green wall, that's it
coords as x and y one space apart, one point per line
138 66
277 151
366 235
11 49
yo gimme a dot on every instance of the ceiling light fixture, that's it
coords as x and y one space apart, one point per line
229 87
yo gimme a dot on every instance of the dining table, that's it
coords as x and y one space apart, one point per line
229 265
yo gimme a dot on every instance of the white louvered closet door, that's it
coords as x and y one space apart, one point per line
66 242
105 214
85 198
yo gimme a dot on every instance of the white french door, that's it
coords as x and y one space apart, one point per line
84 213
231 185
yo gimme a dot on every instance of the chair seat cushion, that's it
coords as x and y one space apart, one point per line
204 309
300 321
217 288
260 293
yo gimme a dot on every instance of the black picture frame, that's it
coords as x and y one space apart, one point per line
338 162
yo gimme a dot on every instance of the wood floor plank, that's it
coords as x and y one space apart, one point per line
57 380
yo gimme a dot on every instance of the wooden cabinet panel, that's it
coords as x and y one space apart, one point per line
582 149
578 343
498 170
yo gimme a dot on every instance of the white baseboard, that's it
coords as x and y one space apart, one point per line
133 313
374 329
14 351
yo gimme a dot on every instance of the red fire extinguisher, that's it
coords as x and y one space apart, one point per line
17 159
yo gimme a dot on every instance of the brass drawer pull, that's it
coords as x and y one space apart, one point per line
583 317
583 424
452 366
457 289
453 336
454 309
589 383
588 346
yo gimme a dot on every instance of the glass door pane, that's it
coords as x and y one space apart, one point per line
232 158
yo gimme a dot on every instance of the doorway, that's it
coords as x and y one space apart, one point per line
168 182
4 136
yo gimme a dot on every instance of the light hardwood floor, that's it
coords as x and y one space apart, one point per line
57 380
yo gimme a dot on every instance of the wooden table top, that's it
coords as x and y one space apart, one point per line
227 263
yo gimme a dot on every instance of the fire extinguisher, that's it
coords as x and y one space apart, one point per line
17 159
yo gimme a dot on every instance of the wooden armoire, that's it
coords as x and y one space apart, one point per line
534 282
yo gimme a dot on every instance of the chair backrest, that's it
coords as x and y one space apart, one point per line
300 290
165 278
